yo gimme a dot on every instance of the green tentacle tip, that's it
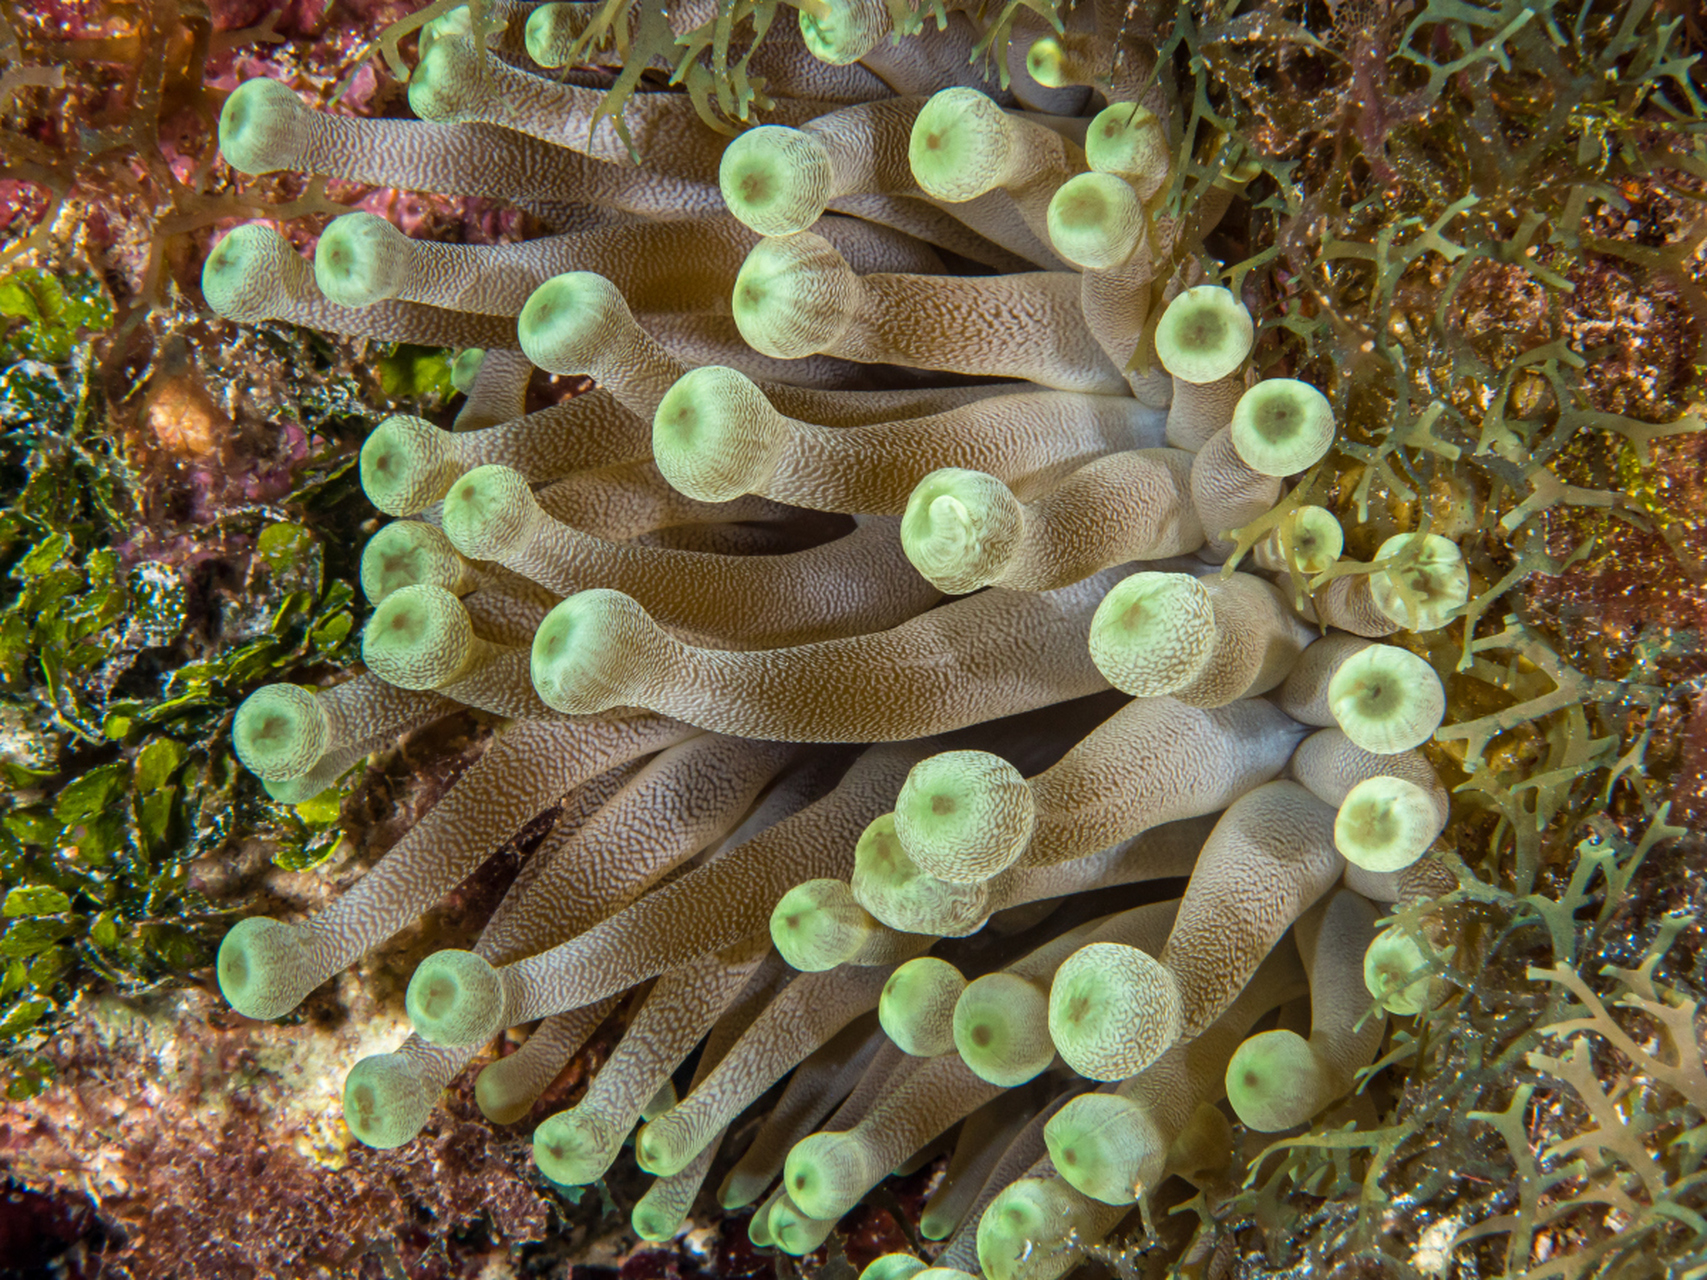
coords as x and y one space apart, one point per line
1204 335
795 1232
1046 63
279 731
264 968
715 435
573 1149
261 127
551 33
844 31
1129 140
961 529
1271 1081
407 465
407 553
817 925
455 998
916 1008
1386 699
1395 970
1001 1029
825 1175
1153 633
654 1218
1096 220
570 321
386 1103
892 1266
889 884
241 278
1314 536
794 296
448 82
589 653
1429 591
490 512
1385 824
1024 1231
1282 426
965 816
1105 1147
960 145
662 1146
419 638
504 1091
775 179
1113 1010
361 259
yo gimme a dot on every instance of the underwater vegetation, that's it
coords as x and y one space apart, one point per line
1117 629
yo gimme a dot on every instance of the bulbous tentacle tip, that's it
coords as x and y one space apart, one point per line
1270 1081
1313 535
659 1149
1130 141
817 925
420 637
1095 220
242 277
489 512
961 529
593 652
825 1175
1282 426
406 466
455 999
407 553
1205 334
844 31
896 890
794 296
715 435
1385 824
449 82
916 1007
261 127
1386 699
1106 1147
1000 1029
740 1189
465 368
1046 62
361 259
1396 971
386 1103
502 1092
1153 633
776 180
264 968
551 33
1024 1231
655 1220
796 1232
965 816
960 145
1429 589
1113 1010
573 1150
572 322
279 731
893 1266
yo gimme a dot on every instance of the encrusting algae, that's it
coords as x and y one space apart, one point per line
1057 629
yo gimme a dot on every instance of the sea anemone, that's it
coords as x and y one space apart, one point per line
923 330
